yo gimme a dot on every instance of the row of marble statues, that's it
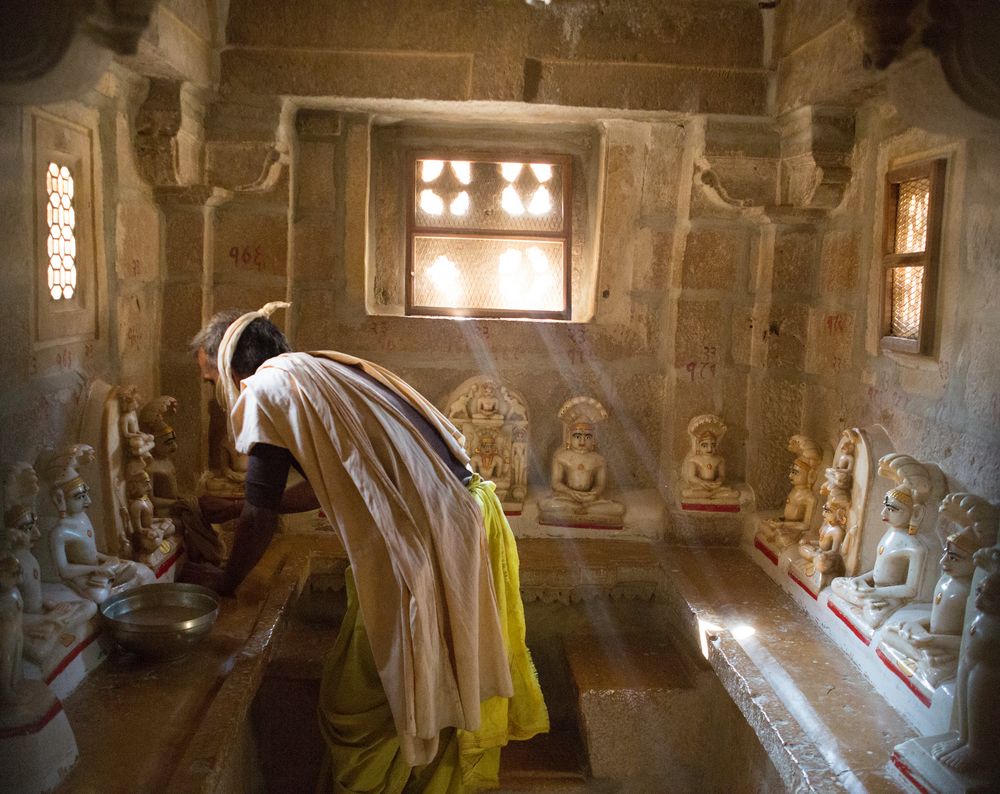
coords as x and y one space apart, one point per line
494 420
908 604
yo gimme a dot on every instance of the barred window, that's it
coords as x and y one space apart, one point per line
489 235
914 198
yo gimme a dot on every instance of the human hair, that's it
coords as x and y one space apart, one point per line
260 341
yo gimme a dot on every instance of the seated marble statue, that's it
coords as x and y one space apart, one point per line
703 472
977 692
579 472
134 440
152 420
934 639
486 459
895 579
11 632
486 405
823 551
44 619
232 475
73 548
147 529
801 501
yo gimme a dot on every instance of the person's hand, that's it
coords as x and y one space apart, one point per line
205 574
217 510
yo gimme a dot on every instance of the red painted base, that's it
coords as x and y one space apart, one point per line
803 585
708 507
763 549
34 727
578 525
906 772
847 622
921 696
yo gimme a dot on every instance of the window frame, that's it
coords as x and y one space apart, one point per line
565 161
928 259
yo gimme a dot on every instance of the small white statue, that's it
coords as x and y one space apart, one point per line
134 440
823 552
487 460
44 619
153 420
800 503
20 485
899 564
72 546
579 472
486 405
934 638
11 633
703 472
977 693
519 462
148 530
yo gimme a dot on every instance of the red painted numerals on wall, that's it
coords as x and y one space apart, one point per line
248 256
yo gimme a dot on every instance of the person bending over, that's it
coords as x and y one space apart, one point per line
430 674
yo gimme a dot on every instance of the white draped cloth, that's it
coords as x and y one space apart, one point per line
413 534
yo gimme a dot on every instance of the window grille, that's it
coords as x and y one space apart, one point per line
488 235
61 243
914 197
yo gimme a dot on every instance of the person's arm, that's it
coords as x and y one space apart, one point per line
267 474
298 499
254 530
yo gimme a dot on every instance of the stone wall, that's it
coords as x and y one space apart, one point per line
742 160
120 227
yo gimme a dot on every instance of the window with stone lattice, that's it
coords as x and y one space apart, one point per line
913 204
489 235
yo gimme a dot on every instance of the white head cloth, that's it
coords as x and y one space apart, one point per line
226 389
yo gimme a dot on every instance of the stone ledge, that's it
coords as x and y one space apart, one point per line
821 723
187 722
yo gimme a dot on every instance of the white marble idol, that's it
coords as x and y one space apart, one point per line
579 472
897 574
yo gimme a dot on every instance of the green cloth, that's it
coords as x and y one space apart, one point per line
357 723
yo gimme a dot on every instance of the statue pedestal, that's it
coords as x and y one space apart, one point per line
803 572
163 561
582 521
913 761
695 505
851 617
37 746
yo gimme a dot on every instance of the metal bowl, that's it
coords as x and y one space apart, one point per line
161 621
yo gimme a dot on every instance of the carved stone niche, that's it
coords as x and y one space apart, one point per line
57 50
494 420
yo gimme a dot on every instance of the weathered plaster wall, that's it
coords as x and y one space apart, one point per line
944 407
44 383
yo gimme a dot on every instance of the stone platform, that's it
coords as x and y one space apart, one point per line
187 725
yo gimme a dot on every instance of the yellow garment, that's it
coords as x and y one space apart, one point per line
355 718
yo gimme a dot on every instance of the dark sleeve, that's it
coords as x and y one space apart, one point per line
267 474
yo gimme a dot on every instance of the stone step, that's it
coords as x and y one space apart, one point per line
637 698
553 761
